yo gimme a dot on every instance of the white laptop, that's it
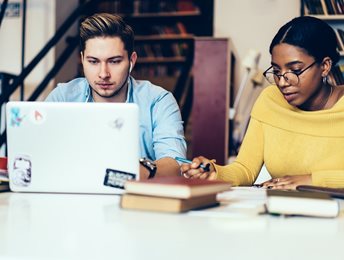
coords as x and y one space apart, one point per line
72 147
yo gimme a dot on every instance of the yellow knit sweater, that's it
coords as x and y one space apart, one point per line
290 142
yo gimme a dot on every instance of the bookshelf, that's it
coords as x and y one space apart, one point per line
331 11
164 31
214 78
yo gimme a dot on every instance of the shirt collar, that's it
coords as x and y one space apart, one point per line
89 98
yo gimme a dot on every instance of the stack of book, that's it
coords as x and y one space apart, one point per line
4 181
171 194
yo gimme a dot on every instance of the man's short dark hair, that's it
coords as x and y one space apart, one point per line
106 25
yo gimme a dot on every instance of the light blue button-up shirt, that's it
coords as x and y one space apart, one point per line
161 126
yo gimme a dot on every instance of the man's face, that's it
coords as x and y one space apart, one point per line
106 68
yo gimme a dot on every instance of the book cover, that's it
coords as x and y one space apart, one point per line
313 204
333 192
176 187
163 204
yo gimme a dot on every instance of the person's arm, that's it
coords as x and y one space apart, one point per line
165 167
244 170
168 135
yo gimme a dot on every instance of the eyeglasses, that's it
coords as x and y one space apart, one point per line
291 77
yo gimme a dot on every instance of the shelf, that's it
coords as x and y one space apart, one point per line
164 37
161 60
177 14
333 17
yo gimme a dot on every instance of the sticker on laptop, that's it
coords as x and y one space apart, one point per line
116 179
37 116
117 123
16 117
21 175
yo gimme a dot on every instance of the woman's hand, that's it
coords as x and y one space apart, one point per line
194 171
288 182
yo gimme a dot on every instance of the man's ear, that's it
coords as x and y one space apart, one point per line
326 66
132 59
82 57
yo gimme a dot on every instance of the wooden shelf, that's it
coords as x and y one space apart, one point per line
161 60
176 14
332 17
164 37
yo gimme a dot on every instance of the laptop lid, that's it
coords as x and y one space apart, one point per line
72 147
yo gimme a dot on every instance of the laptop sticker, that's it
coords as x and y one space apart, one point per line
117 123
21 171
116 179
37 116
16 117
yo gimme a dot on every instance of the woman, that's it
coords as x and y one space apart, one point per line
297 124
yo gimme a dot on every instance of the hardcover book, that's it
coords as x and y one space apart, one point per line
163 204
301 203
176 187
333 192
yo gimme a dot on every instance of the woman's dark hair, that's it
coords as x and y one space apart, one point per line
313 35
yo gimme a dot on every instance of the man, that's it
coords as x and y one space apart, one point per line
107 57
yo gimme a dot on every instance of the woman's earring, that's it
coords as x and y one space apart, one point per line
324 79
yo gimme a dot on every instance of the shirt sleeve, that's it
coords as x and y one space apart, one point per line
168 132
245 169
55 95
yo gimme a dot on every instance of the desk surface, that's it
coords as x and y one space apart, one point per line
71 226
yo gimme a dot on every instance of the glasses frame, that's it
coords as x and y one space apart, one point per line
283 75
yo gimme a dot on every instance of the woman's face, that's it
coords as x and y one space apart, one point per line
308 93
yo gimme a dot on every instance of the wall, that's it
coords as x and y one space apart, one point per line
253 23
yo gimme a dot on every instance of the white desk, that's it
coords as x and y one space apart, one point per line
67 226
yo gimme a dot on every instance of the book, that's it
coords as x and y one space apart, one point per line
164 204
176 187
4 176
301 203
333 192
4 186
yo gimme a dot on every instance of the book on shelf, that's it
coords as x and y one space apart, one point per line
314 7
324 7
164 204
186 5
340 37
329 7
176 187
333 192
314 204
